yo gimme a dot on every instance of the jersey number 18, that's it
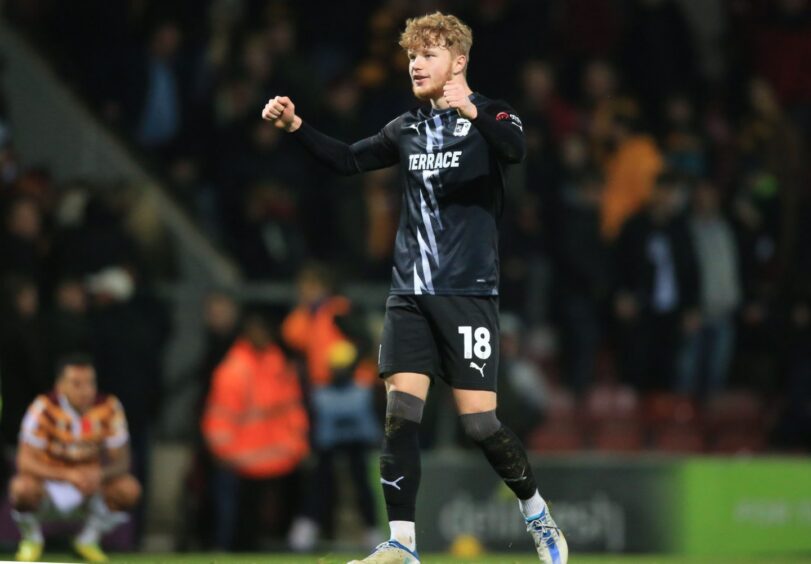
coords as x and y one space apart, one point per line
481 347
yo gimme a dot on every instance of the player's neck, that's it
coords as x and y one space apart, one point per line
66 402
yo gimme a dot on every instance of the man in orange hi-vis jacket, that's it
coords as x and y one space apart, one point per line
317 325
255 423
334 343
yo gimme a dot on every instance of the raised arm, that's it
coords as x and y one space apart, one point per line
378 151
498 122
502 129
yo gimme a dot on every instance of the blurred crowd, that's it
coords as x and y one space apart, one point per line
78 262
658 218
657 225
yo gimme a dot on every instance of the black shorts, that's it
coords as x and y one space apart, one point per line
453 337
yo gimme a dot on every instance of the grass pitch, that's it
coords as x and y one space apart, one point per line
427 559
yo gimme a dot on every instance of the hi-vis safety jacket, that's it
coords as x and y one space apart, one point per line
313 331
255 419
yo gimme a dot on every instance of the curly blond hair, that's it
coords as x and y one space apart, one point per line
437 30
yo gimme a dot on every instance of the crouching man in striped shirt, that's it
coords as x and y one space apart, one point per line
73 459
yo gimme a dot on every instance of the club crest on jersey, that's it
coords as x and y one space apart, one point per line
462 127
514 119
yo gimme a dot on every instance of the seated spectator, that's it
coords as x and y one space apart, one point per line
73 454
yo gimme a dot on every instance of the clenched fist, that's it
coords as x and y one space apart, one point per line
281 112
455 93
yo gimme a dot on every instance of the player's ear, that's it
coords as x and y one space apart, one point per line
459 64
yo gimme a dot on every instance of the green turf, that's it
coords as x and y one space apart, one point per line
429 559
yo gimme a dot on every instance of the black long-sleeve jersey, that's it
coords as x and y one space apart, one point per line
452 175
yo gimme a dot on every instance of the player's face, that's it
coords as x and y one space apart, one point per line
430 68
78 385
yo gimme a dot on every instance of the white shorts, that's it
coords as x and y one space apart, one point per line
65 498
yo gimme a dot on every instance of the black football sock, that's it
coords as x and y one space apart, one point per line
400 467
507 456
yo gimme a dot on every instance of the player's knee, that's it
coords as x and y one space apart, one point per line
400 405
25 492
479 426
122 493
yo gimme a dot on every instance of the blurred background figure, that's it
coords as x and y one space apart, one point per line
128 331
221 318
631 162
67 323
22 348
523 392
708 350
657 297
21 242
256 425
334 342
583 270
60 474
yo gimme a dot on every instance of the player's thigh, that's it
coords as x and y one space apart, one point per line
412 383
474 401
467 330
26 490
121 492
407 345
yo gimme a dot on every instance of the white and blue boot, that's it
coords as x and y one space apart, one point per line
390 552
549 540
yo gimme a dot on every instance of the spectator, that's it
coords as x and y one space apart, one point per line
330 334
221 321
68 323
271 240
255 424
159 110
548 121
683 146
93 236
62 471
522 243
756 212
657 298
22 353
22 242
582 278
770 142
523 388
708 352
129 330
630 168
221 316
